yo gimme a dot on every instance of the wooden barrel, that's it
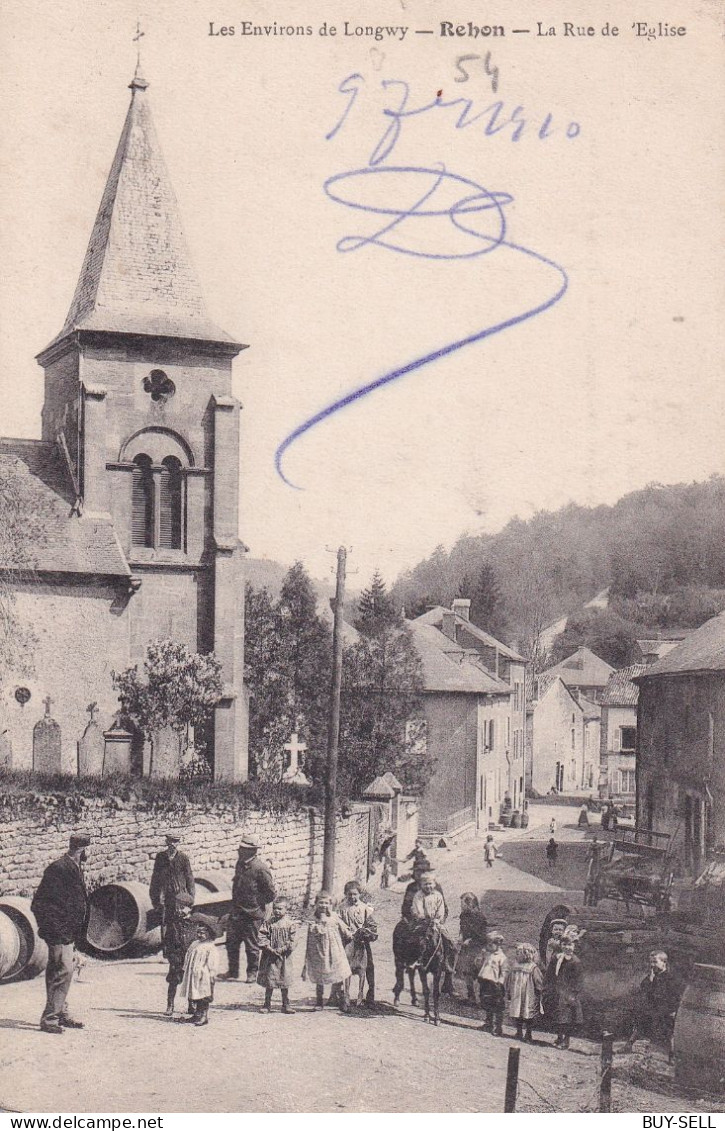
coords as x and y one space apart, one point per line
700 1030
9 945
119 918
33 953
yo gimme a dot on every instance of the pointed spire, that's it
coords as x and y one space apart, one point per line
137 276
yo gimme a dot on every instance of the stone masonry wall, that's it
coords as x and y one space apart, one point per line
126 839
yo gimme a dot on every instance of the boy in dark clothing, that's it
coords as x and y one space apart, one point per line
552 852
655 1005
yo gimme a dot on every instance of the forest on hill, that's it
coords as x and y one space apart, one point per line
660 552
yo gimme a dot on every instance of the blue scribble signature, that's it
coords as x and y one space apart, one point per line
403 231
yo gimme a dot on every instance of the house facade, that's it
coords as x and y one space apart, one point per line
564 741
134 485
474 707
680 763
617 779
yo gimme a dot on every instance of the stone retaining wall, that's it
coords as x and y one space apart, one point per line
126 837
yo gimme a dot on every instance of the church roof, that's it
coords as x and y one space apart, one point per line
137 276
60 541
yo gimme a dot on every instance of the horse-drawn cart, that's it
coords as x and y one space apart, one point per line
635 868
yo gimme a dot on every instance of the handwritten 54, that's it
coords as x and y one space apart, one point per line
496 118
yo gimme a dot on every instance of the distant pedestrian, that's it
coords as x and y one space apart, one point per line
417 855
552 826
583 821
490 851
524 983
385 854
200 971
60 906
277 938
252 891
326 962
561 994
492 977
552 852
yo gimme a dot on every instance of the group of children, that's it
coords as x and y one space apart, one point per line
521 988
338 945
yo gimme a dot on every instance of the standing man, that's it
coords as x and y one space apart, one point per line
172 875
60 906
252 890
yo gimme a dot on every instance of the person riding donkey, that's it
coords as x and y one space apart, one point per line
429 906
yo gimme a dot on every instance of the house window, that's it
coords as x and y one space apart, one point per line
142 504
170 504
627 781
490 735
628 739
573 738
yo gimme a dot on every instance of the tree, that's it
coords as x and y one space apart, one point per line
24 510
606 634
484 592
288 656
381 724
177 688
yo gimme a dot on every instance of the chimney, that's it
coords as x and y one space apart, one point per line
462 608
448 626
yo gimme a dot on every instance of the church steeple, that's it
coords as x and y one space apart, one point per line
137 276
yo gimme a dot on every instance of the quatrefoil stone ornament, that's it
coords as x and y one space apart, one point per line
159 387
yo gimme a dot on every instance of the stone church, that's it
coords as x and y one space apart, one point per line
133 488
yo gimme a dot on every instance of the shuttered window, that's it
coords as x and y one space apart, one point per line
170 504
142 505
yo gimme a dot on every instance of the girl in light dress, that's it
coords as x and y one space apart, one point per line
326 962
524 983
277 938
200 973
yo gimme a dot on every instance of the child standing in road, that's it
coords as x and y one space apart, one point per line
277 937
490 851
200 971
325 959
492 977
524 982
552 852
179 934
359 918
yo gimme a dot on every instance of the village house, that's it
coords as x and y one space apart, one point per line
680 760
563 736
583 672
134 484
619 735
474 704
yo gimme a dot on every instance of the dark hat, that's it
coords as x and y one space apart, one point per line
173 838
206 921
249 842
79 840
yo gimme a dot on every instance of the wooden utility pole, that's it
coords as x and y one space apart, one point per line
605 1079
512 1079
333 726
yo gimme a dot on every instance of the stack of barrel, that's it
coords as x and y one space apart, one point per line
23 954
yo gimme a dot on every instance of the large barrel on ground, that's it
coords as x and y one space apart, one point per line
615 958
122 915
32 955
700 1030
9 945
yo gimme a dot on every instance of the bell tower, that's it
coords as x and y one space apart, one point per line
138 395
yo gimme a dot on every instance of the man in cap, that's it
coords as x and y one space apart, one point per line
171 876
60 906
252 890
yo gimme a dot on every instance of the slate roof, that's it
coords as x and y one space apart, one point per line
702 651
591 710
659 647
137 275
448 667
620 691
435 617
582 669
63 542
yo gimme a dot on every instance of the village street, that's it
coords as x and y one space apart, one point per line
131 1058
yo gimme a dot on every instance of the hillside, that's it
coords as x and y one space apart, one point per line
660 551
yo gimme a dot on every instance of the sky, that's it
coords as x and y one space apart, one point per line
615 383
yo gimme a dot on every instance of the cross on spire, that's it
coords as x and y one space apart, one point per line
137 40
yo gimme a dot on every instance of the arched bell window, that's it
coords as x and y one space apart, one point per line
170 504
142 503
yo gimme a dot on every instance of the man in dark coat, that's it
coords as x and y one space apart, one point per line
60 906
561 994
171 876
252 890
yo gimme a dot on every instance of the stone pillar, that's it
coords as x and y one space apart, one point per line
230 715
117 750
95 476
6 751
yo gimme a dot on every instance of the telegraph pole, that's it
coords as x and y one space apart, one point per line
333 726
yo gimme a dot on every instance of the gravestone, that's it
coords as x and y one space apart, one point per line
6 751
166 759
117 743
47 744
91 747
